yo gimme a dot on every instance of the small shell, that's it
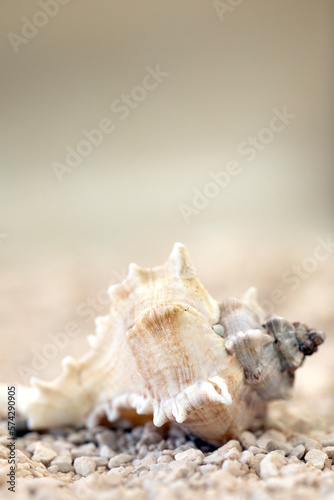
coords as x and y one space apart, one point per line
167 348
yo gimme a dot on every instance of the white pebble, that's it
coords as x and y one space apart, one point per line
316 458
191 455
84 466
271 464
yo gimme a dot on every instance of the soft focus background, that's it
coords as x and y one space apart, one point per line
226 70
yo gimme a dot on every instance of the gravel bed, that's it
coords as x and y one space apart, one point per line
145 462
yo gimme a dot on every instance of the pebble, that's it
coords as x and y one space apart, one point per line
273 444
53 469
329 450
121 458
164 459
85 450
63 463
181 468
100 461
106 451
218 456
309 443
84 466
191 455
293 469
232 454
43 453
150 434
298 451
247 439
76 438
247 458
328 440
235 468
256 450
271 464
316 458
107 438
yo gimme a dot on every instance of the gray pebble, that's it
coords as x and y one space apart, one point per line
309 443
328 440
273 444
298 451
329 450
76 438
85 450
107 437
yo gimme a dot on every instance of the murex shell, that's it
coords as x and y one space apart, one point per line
167 348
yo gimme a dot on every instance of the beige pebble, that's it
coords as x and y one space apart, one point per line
84 466
256 450
100 461
218 455
232 454
43 453
164 459
247 439
234 467
191 455
181 468
207 468
316 458
53 469
247 458
121 458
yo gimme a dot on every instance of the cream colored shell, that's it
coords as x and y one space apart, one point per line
167 348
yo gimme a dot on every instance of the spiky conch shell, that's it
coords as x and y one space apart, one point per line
156 353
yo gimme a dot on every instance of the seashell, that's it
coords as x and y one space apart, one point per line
168 349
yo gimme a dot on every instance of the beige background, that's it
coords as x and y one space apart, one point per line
66 241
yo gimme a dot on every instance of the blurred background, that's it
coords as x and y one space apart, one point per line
127 126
